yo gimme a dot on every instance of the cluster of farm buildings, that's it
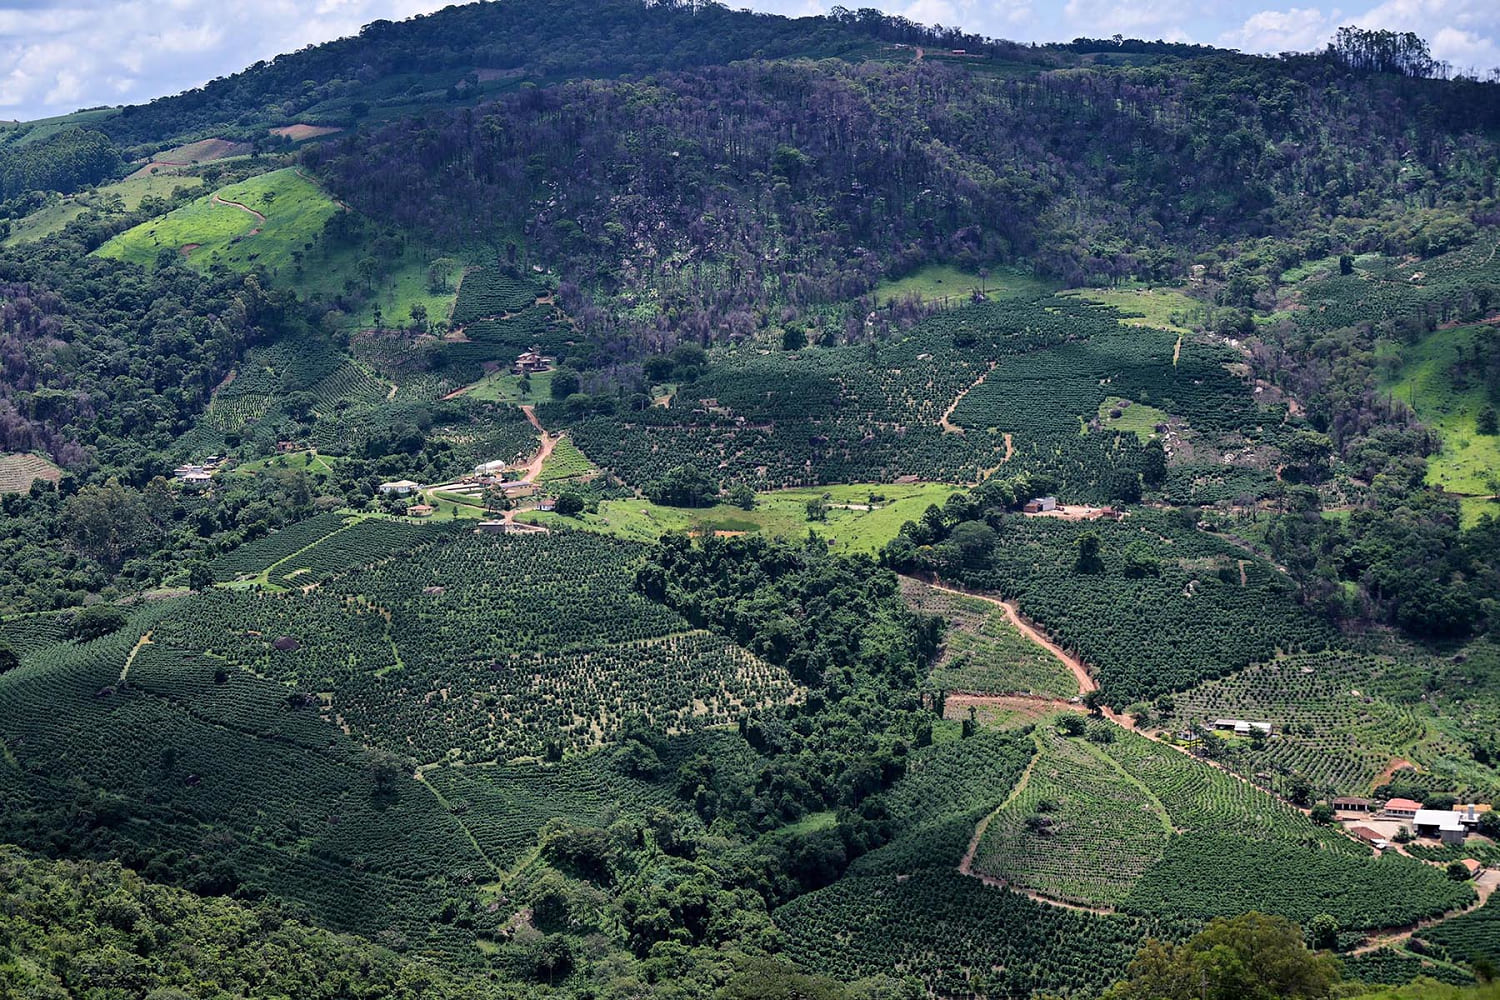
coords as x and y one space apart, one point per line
198 474
1449 826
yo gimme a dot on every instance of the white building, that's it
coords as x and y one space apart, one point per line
400 488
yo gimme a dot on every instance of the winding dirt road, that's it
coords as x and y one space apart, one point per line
259 217
951 428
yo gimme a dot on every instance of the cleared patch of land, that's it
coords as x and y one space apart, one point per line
945 284
1122 415
18 471
1432 380
852 523
1159 308
302 130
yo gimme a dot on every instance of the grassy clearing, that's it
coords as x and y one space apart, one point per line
1134 418
503 387
780 513
1159 308
1469 462
405 285
306 461
110 199
942 283
1471 509
295 210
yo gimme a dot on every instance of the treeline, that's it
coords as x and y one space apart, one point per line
69 160
747 190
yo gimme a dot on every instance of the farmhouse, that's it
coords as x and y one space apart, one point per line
1371 837
1040 505
531 363
399 488
1473 866
420 510
1401 809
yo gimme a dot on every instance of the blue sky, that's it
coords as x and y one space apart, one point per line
60 55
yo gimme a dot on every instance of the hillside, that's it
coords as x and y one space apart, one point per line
644 500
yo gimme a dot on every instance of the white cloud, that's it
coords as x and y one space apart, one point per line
1300 29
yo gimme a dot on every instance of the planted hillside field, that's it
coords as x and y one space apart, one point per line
958 937
261 554
983 652
478 648
302 816
1079 831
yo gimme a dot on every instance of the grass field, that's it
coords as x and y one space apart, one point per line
402 287
309 461
210 231
53 218
942 283
1135 418
503 387
1161 308
18 470
779 513
1469 462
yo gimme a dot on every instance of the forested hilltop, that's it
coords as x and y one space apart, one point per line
622 500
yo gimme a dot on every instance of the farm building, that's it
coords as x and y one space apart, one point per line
1040 505
1371 837
1401 809
420 510
546 503
1473 866
399 488
1450 826
495 468
1351 804
195 479
1242 728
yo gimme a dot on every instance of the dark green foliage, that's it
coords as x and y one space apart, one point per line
957 936
1249 957
265 552
87 928
491 292
64 161
95 623
828 619
1220 874
684 486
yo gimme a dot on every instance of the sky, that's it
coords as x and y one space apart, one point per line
58 56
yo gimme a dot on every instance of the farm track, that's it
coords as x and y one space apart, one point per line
966 866
951 428
260 218
144 640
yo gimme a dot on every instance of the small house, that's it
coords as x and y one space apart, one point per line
1401 809
1372 837
1040 505
196 479
492 527
399 488
420 510
1473 866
